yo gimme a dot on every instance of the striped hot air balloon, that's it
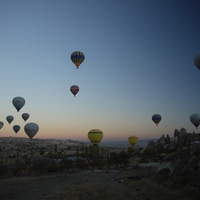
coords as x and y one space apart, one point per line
74 89
156 119
77 58
95 136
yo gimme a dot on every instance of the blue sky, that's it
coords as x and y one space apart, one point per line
138 62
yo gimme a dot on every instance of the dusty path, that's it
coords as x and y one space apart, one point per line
99 184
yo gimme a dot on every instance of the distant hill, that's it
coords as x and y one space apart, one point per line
141 143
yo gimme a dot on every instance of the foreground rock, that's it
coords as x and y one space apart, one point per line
178 161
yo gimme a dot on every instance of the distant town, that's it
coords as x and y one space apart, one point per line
18 154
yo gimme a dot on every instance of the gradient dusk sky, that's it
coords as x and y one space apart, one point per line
138 62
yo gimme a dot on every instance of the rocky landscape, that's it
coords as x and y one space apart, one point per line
168 168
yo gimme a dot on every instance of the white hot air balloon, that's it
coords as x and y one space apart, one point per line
9 118
25 116
18 103
1 124
195 119
197 61
31 129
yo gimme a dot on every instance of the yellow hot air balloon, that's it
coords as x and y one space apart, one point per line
95 136
133 140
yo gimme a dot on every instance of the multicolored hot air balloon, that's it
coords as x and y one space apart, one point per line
197 61
195 119
1 124
74 89
156 119
31 129
77 58
16 128
25 116
18 103
9 118
95 136
133 140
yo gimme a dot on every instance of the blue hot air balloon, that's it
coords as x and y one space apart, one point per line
16 128
156 119
77 58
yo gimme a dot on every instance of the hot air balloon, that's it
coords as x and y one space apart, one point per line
195 119
1 124
74 89
133 140
197 61
9 118
16 128
156 119
77 58
18 102
95 136
31 129
25 116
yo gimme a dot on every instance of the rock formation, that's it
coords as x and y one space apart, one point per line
181 139
180 161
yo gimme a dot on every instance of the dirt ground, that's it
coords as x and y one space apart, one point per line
82 185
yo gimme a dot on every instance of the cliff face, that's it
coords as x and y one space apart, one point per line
181 160
181 140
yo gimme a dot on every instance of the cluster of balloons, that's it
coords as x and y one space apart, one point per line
194 118
95 135
77 58
30 128
156 118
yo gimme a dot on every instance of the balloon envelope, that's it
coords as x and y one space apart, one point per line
197 61
133 140
31 129
9 118
1 124
77 58
95 136
16 128
195 119
18 102
25 116
74 89
156 119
